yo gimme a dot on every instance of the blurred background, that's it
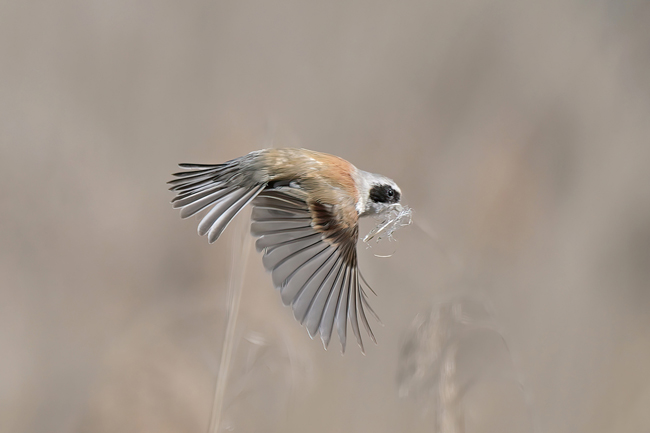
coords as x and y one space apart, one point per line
519 133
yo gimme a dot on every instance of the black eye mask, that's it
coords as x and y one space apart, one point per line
384 194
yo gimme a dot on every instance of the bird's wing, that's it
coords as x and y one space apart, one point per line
215 186
310 250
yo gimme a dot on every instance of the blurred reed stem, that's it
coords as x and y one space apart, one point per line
239 259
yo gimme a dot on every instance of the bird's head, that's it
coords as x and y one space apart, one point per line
377 194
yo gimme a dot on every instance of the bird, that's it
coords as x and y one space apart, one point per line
305 216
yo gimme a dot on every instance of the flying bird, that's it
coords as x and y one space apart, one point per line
306 210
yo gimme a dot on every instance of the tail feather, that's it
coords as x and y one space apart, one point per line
189 165
190 183
194 193
185 176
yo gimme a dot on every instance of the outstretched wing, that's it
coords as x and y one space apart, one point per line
310 250
215 186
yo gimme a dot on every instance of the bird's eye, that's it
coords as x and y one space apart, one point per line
390 192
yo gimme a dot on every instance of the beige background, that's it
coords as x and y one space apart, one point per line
519 133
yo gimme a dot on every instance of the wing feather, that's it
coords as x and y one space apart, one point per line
295 283
319 279
220 224
353 313
310 250
342 312
259 228
272 239
295 251
288 268
195 205
217 186
362 313
316 311
329 312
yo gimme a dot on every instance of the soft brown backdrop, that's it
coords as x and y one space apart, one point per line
518 131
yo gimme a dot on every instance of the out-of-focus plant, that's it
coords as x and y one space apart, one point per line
442 359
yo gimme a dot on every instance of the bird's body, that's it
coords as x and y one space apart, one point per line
318 177
306 210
